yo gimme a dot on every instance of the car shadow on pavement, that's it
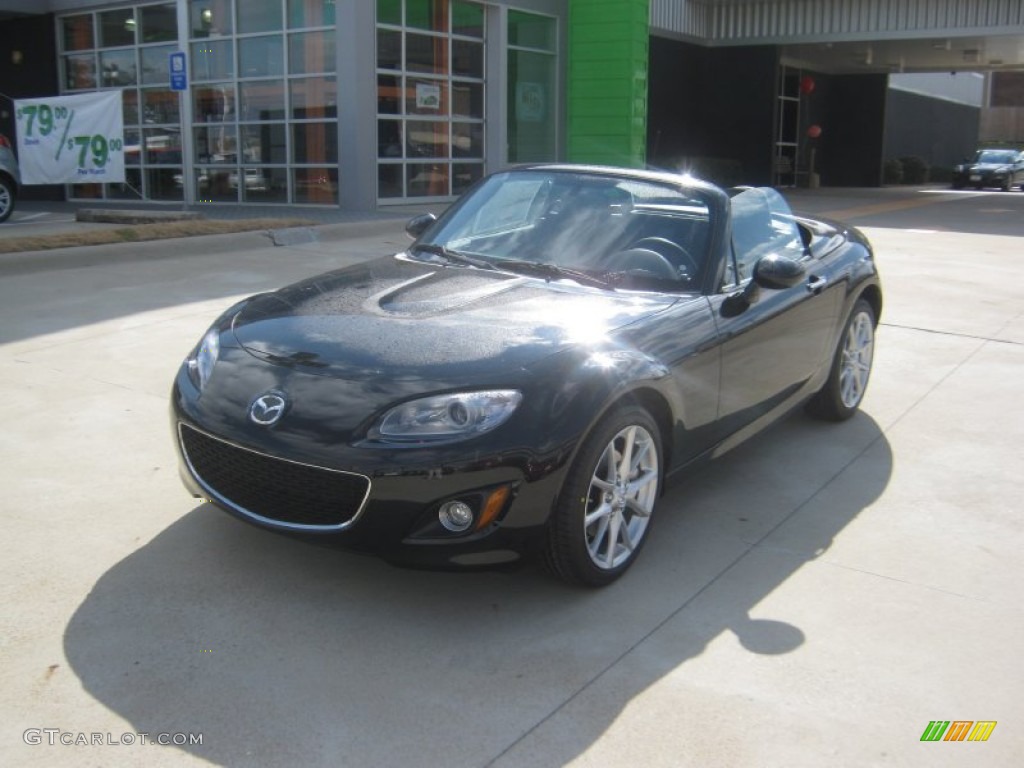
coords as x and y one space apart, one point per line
283 653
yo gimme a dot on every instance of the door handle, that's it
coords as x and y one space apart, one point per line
816 284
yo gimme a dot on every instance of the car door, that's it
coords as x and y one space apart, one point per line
774 344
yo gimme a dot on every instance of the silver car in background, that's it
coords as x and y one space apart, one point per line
10 178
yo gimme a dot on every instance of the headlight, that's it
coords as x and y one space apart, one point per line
448 417
200 362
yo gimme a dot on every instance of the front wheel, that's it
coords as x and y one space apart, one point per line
847 382
603 514
7 196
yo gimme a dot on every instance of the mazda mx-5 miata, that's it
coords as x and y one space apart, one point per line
525 377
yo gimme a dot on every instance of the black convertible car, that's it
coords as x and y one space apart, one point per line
1002 168
529 372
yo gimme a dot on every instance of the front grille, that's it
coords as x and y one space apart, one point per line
273 490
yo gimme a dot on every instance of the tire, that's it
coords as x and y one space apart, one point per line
841 396
603 515
7 198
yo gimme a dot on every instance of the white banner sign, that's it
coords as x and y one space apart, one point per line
71 139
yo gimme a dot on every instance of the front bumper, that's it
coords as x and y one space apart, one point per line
370 500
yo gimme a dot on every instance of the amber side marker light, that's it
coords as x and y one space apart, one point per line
493 506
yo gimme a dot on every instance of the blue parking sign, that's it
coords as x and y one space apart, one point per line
178 72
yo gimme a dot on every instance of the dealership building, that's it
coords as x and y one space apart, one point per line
363 103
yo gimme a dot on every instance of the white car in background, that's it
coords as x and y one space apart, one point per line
10 178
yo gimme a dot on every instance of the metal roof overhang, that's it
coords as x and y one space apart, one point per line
857 36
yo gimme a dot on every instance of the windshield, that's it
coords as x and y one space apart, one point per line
995 156
634 233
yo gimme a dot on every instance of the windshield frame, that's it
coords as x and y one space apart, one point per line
525 215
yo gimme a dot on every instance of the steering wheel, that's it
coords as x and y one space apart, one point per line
644 262
671 252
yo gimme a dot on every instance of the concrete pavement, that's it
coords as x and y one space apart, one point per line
815 597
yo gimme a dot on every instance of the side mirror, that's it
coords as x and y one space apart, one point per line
773 271
419 225
777 271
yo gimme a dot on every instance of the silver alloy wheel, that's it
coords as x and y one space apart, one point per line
623 489
858 351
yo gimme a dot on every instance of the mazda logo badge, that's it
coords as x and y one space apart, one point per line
267 409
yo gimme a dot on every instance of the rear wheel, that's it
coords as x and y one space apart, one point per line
7 197
839 399
604 511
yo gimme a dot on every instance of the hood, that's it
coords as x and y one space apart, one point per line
395 318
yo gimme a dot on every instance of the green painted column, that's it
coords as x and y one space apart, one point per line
607 81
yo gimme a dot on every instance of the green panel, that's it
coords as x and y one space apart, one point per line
607 81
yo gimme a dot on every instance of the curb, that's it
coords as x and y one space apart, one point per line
28 262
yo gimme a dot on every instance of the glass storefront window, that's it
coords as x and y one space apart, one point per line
132 146
164 184
261 100
313 97
467 19
131 189
79 72
468 140
389 180
528 30
316 185
426 180
117 27
87 191
468 99
212 60
162 146
426 53
265 185
154 64
532 98
467 58
160 105
389 138
117 68
216 144
426 97
218 185
427 14
311 52
389 94
389 49
430 96
130 107
259 15
210 18
213 103
261 56
310 13
159 23
77 32
389 12
426 139
465 175
315 143
264 143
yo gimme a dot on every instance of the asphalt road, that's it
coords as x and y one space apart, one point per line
814 598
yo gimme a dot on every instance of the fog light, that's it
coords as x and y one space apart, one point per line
456 516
